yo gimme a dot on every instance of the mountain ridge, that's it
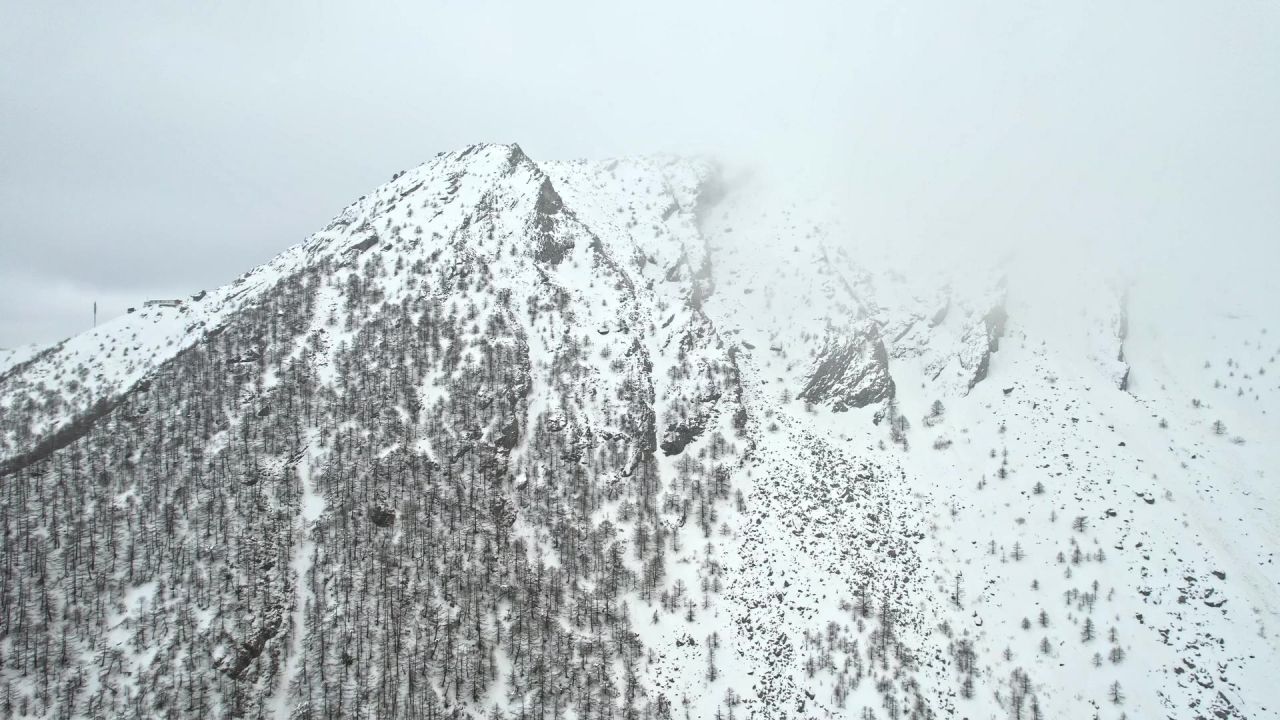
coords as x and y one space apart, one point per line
619 437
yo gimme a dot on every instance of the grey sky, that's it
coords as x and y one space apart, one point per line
149 149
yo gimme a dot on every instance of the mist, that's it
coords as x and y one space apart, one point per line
150 150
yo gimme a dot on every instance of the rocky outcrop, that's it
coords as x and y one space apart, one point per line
549 246
994 322
508 435
246 650
988 335
678 435
851 371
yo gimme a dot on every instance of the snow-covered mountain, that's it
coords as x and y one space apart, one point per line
517 438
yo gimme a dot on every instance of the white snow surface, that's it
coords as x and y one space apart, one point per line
1173 562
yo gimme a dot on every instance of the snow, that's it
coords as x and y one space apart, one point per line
1099 403
70 377
1158 501
16 356
311 508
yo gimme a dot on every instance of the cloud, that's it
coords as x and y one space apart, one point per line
146 141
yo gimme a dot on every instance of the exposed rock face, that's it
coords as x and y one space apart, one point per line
508 435
550 248
678 435
994 322
956 345
850 372
248 650
940 316
988 335
972 357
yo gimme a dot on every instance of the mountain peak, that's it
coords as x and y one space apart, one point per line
509 437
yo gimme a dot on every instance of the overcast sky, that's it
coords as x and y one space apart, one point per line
152 149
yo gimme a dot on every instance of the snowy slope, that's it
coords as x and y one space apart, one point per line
1171 562
16 356
586 438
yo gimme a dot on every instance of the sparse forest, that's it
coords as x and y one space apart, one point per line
604 440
